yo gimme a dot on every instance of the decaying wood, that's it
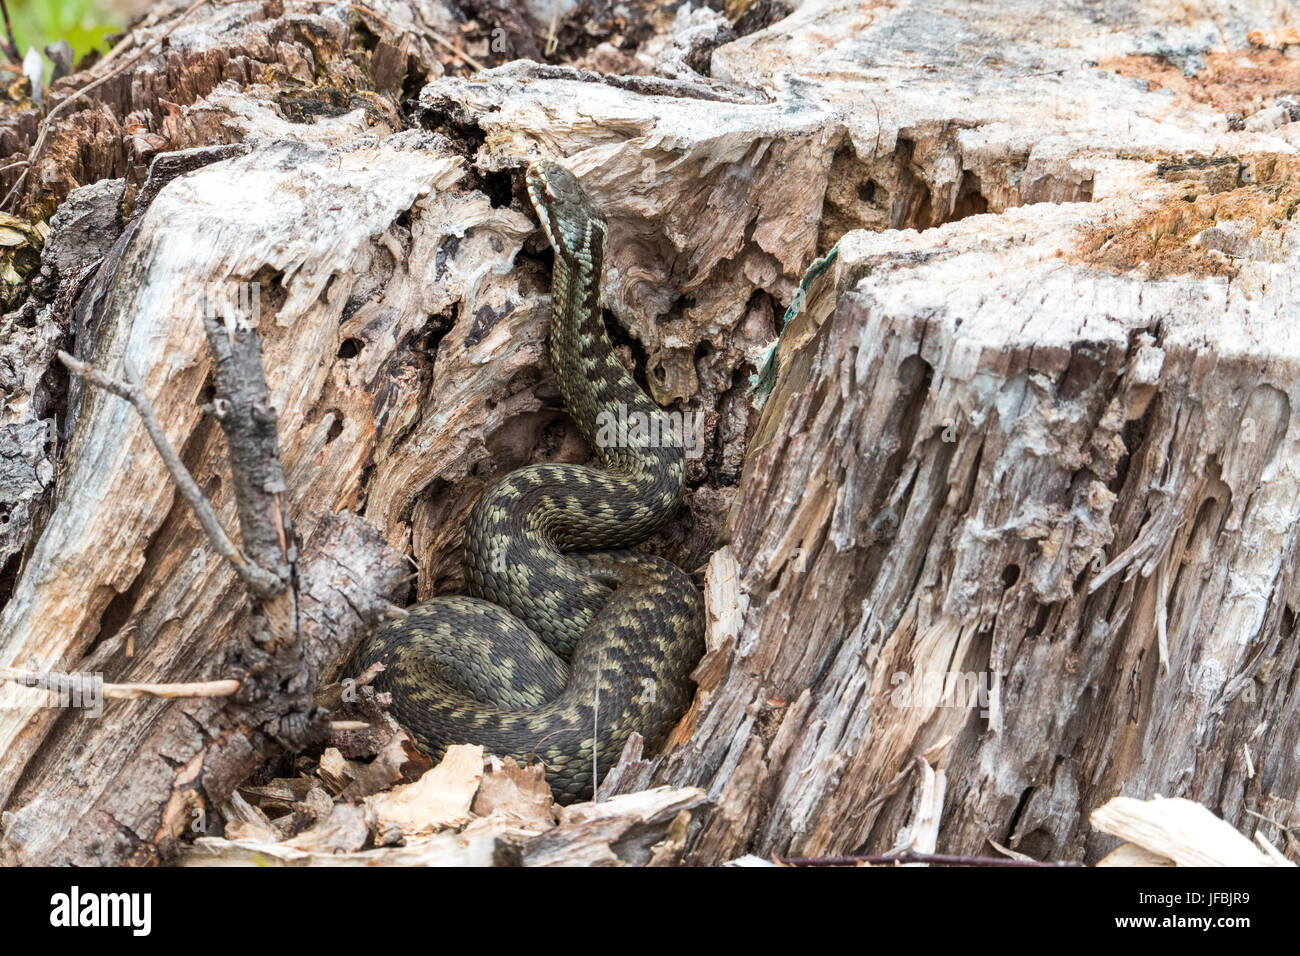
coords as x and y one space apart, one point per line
273 693
465 811
1031 427
999 450
1177 833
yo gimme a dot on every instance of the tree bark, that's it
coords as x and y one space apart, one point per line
1030 426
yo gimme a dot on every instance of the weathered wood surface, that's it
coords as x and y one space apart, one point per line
1052 447
1045 441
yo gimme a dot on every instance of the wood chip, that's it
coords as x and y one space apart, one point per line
1181 831
343 831
243 830
438 800
620 831
335 770
399 760
517 795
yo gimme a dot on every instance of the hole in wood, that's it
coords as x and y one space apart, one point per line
336 425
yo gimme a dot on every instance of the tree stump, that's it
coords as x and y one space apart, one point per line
1008 531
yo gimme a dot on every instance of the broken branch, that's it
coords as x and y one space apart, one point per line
49 680
259 581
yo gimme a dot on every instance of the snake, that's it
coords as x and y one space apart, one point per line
568 641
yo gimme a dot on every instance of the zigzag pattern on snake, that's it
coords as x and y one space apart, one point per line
567 643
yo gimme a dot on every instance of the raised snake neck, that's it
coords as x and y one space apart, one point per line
568 643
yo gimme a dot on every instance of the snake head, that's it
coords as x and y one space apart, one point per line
575 227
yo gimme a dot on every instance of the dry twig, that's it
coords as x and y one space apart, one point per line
49 680
913 856
258 580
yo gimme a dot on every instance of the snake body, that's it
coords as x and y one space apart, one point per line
567 642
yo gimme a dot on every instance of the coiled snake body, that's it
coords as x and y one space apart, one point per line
567 643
